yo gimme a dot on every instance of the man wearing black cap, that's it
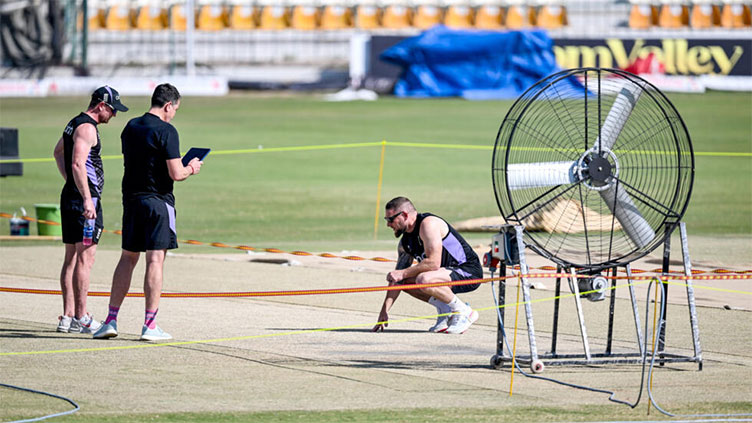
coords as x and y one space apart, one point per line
77 154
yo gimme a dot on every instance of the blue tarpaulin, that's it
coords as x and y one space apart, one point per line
476 65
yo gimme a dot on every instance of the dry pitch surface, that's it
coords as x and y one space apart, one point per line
270 353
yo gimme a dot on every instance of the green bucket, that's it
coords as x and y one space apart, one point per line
50 212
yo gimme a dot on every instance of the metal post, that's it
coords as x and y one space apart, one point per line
690 295
574 286
635 309
611 305
502 303
190 27
555 329
526 295
85 37
664 272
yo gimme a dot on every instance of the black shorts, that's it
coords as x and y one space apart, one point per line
148 224
464 273
72 219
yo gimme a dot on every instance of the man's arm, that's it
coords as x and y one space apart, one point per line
84 138
404 261
178 172
59 154
432 231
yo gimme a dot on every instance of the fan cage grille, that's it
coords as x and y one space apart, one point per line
559 119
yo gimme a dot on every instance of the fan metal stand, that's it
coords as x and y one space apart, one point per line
508 248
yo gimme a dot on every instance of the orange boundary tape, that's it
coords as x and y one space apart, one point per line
377 259
360 289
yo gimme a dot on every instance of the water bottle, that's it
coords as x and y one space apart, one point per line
88 231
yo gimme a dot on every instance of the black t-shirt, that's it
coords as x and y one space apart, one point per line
94 168
148 142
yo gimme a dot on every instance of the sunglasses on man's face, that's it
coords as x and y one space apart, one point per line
390 219
114 110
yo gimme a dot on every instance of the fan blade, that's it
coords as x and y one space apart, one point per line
630 218
533 175
618 115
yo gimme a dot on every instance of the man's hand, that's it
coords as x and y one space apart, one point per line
395 275
383 322
195 165
90 212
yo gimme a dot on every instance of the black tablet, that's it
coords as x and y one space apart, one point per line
201 153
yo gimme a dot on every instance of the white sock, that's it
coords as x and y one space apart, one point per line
441 306
457 305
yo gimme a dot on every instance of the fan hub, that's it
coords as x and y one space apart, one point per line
599 169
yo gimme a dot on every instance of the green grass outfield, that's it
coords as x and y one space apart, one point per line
326 199
446 415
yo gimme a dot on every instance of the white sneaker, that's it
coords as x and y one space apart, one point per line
156 334
107 331
459 323
88 324
75 326
64 324
442 323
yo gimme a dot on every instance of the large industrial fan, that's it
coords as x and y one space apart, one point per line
592 169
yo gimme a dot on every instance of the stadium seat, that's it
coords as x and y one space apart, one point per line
118 17
96 15
336 15
704 14
427 14
396 15
242 15
212 15
519 15
150 15
551 15
367 15
489 16
459 14
673 14
642 14
273 15
304 15
735 14
177 17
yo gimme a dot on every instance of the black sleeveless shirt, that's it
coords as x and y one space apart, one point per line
455 252
94 168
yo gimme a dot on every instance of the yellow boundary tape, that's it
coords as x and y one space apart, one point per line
306 331
366 144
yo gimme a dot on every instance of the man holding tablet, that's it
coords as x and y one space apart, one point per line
151 160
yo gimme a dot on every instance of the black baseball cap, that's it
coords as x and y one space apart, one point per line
110 96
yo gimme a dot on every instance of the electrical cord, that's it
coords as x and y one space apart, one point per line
612 394
49 416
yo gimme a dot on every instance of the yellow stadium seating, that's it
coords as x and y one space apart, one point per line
396 16
118 17
673 14
150 15
735 14
367 16
242 16
304 16
459 15
95 16
520 16
336 16
177 17
212 16
642 14
704 15
274 17
552 15
489 16
427 15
